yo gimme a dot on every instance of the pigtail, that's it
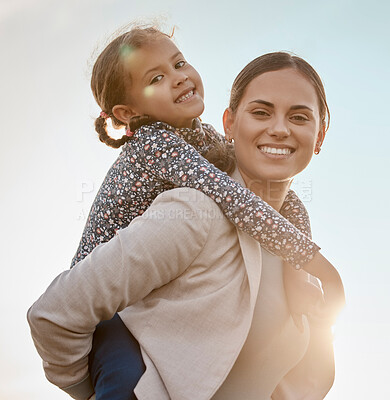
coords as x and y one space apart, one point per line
220 152
110 82
101 129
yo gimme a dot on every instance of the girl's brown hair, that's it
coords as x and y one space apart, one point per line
110 79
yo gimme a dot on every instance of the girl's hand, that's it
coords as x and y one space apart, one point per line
327 310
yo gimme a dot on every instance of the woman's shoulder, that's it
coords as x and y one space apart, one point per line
190 205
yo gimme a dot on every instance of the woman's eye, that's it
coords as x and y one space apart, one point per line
261 113
180 64
300 118
156 79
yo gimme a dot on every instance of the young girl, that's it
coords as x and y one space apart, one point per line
140 80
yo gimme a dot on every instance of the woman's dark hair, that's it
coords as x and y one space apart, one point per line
275 62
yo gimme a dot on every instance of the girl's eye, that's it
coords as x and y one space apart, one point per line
156 79
180 64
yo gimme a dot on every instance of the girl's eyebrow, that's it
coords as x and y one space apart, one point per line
267 103
176 54
156 68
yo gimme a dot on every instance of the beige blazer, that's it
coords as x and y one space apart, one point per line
187 283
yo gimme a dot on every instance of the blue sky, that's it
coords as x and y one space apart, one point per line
52 163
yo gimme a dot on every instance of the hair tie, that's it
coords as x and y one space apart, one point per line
129 133
104 115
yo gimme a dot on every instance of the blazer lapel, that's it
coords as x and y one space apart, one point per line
251 253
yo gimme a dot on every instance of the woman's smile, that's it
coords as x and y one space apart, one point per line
275 126
275 151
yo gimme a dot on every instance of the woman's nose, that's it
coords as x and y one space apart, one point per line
279 129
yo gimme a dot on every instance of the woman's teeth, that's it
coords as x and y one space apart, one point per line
185 97
273 150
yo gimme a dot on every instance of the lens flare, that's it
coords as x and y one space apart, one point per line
148 91
126 52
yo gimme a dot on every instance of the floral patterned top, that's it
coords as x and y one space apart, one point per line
160 157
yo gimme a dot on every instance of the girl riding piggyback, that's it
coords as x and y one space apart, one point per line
142 82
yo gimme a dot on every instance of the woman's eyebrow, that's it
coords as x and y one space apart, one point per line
268 104
300 106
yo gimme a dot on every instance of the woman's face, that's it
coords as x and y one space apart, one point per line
275 127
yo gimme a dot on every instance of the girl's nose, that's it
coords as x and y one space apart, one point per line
179 78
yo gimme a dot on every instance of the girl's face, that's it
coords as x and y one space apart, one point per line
163 85
275 127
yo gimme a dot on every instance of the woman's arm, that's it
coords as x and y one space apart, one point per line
148 254
313 376
170 158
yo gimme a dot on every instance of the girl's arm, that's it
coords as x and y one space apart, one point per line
292 209
168 157
295 211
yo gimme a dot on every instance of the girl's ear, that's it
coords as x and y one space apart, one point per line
124 113
228 120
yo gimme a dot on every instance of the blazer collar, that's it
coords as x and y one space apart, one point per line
251 253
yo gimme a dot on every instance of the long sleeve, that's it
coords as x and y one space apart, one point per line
134 181
295 212
140 258
292 208
169 158
127 191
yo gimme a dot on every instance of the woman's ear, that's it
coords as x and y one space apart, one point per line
228 121
123 113
320 140
321 136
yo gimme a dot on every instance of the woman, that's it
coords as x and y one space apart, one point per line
196 304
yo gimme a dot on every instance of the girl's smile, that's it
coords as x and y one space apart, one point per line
163 85
188 94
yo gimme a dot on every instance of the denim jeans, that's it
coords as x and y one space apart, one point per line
115 361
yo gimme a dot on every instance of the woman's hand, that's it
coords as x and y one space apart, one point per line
327 310
302 294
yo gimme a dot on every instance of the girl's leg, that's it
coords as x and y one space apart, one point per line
115 361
